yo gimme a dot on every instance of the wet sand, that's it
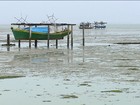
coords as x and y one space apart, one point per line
101 73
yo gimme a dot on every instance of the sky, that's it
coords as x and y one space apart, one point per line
113 12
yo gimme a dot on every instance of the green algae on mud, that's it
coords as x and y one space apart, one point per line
135 69
84 84
115 91
69 96
9 77
46 101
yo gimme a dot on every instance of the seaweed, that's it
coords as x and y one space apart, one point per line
84 84
133 69
8 77
115 91
69 96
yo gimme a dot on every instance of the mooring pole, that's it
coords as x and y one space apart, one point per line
48 42
19 43
35 40
30 37
19 40
35 43
83 35
68 38
56 43
29 43
8 42
8 39
72 36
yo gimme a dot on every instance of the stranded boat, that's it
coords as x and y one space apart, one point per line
38 33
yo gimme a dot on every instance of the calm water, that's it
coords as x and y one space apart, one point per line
100 73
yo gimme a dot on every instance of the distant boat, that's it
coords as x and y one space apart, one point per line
100 24
95 25
38 33
86 25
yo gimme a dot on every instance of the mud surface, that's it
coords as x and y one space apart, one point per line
101 73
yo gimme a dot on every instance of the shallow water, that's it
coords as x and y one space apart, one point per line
51 90
101 72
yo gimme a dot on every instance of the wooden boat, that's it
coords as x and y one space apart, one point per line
24 34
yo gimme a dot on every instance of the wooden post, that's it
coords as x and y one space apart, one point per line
72 36
8 39
29 43
35 40
83 54
83 35
30 37
19 43
68 38
48 42
8 42
35 43
56 43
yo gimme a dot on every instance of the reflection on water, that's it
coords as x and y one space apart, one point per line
39 60
45 57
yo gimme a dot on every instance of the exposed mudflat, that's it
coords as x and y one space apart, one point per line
101 73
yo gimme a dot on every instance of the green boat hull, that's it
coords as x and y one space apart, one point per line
20 34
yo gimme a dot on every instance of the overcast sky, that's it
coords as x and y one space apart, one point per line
114 12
